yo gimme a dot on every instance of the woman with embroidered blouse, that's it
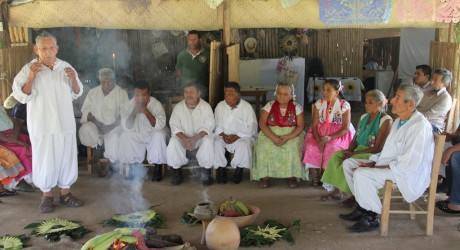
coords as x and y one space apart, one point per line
278 147
330 130
373 129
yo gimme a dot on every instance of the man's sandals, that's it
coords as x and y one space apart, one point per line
70 200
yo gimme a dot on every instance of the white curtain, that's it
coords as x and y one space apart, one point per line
414 49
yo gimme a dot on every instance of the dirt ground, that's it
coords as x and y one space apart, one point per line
320 226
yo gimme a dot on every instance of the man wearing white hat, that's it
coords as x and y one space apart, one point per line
100 119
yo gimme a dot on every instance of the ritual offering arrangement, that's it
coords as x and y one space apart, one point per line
147 218
269 233
9 242
239 212
53 229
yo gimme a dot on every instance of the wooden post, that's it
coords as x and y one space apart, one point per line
226 23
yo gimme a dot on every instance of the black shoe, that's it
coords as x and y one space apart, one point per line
442 185
177 177
238 175
97 154
356 215
367 223
221 177
206 178
157 173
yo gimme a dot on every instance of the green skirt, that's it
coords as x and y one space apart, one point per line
275 161
334 175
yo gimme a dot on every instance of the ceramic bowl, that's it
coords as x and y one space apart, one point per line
243 221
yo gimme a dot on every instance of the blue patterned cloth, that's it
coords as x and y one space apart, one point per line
339 12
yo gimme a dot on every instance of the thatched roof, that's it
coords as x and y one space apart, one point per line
179 15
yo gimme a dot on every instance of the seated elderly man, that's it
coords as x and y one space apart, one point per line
144 130
405 159
192 125
236 128
101 118
436 101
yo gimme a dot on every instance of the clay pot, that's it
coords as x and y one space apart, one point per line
205 211
222 234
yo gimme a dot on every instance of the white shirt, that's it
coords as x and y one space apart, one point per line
49 105
409 153
141 123
5 121
191 123
105 109
240 120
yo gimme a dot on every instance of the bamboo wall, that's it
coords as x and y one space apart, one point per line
11 62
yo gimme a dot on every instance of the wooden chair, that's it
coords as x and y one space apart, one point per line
88 159
431 196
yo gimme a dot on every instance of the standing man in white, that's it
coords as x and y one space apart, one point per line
100 120
144 130
236 129
192 125
48 85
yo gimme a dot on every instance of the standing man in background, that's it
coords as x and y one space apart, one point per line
48 85
193 65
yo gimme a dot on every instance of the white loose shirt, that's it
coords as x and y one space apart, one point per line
106 109
240 120
409 153
141 123
191 123
49 105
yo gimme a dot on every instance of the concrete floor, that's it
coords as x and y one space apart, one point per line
320 226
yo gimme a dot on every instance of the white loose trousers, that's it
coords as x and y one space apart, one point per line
241 150
58 168
90 137
365 183
133 146
176 152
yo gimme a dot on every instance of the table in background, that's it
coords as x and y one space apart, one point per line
260 95
351 88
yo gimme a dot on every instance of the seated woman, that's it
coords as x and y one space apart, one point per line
330 130
10 168
12 139
373 129
278 147
451 158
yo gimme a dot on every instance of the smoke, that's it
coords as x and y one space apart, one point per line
126 190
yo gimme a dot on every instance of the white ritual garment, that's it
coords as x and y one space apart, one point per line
240 121
142 136
51 124
191 122
106 109
408 151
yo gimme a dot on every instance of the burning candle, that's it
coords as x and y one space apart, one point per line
113 59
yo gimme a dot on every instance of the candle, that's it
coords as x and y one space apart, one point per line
113 59
341 67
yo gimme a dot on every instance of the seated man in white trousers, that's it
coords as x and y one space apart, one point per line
100 119
405 159
236 128
192 125
144 130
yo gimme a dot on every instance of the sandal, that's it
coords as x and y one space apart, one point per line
350 202
7 192
264 183
292 182
24 187
332 197
70 200
443 207
46 206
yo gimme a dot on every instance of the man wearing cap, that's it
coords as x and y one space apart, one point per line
193 64
144 130
48 85
100 119
236 128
